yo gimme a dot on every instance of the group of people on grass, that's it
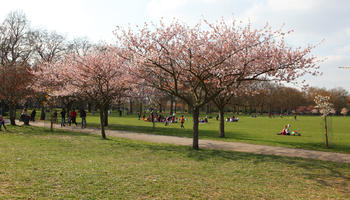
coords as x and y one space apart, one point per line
233 119
72 117
286 131
155 117
205 120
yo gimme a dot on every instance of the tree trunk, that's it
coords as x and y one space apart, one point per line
174 105
160 107
190 109
171 104
131 108
89 107
42 115
325 126
222 122
102 121
153 122
51 116
195 127
105 114
13 114
208 108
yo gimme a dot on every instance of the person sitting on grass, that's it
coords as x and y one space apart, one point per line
283 132
287 130
2 122
235 119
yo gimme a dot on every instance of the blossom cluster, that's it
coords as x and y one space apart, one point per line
323 104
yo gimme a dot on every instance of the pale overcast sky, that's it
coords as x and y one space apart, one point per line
311 20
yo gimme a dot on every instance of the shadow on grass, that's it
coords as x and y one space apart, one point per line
323 172
33 130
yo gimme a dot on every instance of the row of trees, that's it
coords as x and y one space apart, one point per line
207 62
270 99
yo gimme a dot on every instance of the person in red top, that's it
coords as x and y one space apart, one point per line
182 121
74 117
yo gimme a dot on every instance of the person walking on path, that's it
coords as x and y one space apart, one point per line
63 117
83 118
32 115
74 117
2 122
182 121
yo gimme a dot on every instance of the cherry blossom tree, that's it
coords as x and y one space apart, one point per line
198 63
100 76
325 108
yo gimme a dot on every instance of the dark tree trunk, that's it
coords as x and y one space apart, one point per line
102 121
326 132
89 107
195 127
208 108
153 122
51 119
222 122
171 105
160 107
131 108
42 115
105 114
13 114
174 105
190 109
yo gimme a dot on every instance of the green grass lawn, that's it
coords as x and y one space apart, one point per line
260 130
38 164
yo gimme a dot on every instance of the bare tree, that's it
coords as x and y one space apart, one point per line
17 41
80 46
49 47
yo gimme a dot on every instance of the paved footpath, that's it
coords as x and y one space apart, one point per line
214 144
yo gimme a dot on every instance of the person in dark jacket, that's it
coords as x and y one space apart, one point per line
63 117
32 115
83 118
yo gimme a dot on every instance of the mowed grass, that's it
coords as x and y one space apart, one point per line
38 164
260 130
